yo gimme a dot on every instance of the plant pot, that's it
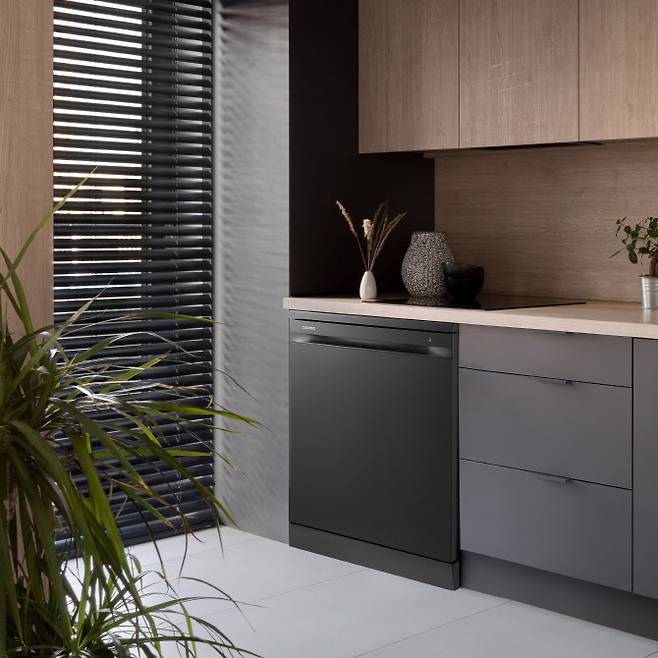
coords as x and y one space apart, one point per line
422 271
368 287
649 286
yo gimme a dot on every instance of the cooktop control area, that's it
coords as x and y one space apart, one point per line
483 302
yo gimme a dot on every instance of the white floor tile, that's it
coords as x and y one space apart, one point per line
515 630
252 571
172 548
346 616
301 605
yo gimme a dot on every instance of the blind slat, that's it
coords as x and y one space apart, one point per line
133 101
160 18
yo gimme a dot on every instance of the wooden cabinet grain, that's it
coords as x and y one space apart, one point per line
408 75
446 74
618 69
26 143
519 72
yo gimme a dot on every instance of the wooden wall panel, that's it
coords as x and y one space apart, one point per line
618 69
26 88
408 75
541 221
519 72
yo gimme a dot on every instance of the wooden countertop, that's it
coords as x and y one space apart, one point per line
604 318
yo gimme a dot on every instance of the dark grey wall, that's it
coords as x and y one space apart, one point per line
252 257
325 164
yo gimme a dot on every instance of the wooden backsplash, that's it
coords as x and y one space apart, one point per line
541 221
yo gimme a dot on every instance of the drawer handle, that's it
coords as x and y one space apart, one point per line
555 478
551 380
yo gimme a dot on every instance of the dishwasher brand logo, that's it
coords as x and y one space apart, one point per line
309 327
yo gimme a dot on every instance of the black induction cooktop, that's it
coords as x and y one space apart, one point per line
483 302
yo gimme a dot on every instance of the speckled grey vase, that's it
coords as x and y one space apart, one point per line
422 273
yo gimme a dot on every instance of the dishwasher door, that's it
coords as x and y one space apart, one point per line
373 435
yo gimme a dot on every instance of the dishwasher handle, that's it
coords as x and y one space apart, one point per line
426 350
383 339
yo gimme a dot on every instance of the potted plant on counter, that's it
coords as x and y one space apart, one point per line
641 239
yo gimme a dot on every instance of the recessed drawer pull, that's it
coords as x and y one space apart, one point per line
581 530
554 478
581 357
551 380
579 430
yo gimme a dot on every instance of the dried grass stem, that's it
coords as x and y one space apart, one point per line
376 232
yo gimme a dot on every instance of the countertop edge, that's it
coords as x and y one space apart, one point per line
600 318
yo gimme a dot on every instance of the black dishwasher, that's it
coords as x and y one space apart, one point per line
373 454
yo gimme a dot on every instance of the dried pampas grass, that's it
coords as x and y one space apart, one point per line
375 232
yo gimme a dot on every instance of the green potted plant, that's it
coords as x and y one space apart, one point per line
640 239
98 605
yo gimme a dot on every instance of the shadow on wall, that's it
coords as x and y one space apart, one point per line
251 256
325 163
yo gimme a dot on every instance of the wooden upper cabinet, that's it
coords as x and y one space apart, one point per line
618 69
408 75
519 72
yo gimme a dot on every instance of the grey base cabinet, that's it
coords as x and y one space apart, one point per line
553 354
565 526
576 430
645 465
546 431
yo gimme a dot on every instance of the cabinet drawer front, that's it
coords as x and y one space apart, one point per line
582 357
576 430
575 529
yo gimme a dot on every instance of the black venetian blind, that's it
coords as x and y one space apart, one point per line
133 99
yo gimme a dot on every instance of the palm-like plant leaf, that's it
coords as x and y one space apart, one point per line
53 422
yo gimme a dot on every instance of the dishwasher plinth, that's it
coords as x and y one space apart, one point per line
416 567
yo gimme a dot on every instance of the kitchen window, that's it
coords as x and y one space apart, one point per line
133 106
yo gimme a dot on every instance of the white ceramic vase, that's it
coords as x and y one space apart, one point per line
368 287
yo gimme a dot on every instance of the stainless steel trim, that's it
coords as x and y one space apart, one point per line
649 288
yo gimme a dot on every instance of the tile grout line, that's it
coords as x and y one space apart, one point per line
255 603
221 551
224 547
319 582
435 628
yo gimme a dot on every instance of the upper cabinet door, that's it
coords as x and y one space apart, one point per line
408 75
618 69
519 72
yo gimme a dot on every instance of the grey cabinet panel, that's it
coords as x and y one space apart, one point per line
645 473
575 430
582 357
576 529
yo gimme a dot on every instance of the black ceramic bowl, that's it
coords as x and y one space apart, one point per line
464 282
